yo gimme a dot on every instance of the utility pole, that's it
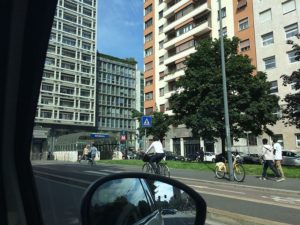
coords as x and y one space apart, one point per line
227 127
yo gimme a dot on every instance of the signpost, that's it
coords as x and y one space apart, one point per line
146 122
97 135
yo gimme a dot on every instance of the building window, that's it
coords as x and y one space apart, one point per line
86 46
274 86
84 105
180 65
241 4
149 111
66 90
161 92
148 23
149 81
288 6
161 29
185 46
270 62
267 39
84 117
161 44
87 12
224 31
68 65
265 16
161 60
223 13
298 140
69 53
66 115
148 37
69 29
162 108
46 100
243 24
46 114
161 14
161 75
67 77
68 41
184 11
70 17
70 5
148 9
149 66
245 45
149 96
291 30
160 1
85 81
148 51
85 93
184 29
293 56
49 61
47 87
66 103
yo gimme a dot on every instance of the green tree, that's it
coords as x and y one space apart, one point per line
198 102
160 124
291 112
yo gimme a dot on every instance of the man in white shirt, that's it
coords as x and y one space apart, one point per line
267 152
278 157
158 153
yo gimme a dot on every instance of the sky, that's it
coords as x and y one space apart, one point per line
120 29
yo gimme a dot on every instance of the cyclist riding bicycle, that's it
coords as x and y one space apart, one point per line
158 153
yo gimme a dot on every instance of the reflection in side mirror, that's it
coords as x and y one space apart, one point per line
136 198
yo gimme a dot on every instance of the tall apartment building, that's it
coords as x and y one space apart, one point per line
117 95
68 89
173 27
275 22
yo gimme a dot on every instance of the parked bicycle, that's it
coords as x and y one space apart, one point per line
238 169
162 168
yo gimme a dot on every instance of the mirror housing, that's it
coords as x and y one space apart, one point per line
98 187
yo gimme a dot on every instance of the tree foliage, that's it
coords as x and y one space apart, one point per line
160 124
198 102
291 112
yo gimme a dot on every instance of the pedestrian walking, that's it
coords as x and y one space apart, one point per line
268 156
278 157
93 152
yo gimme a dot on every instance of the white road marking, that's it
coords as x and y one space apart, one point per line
283 199
96 172
218 189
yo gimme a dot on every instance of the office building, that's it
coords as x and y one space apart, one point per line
68 89
117 95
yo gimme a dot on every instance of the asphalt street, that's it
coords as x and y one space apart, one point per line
61 186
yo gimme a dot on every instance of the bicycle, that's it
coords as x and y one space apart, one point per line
238 169
163 169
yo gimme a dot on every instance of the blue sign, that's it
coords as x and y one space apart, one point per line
96 135
146 121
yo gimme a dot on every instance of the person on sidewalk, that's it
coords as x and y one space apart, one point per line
278 157
158 153
93 152
267 152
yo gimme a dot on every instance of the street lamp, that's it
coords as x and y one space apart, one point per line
227 127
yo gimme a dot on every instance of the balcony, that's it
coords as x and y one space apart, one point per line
198 30
170 11
200 9
179 55
174 75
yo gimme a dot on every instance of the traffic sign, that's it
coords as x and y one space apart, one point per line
146 121
97 135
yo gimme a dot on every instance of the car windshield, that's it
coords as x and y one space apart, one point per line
121 75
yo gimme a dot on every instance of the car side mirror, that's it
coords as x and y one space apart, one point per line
140 198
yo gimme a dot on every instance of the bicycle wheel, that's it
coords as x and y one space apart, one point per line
147 168
164 170
220 172
239 172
